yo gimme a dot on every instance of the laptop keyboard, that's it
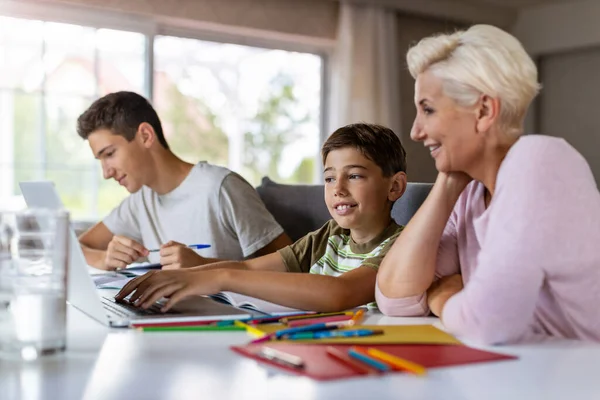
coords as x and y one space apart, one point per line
125 309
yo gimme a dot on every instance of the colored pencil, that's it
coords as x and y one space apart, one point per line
350 362
201 328
358 316
334 334
360 355
173 324
396 362
276 318
270 318
250 329
309 321
293 318
310 328
264 338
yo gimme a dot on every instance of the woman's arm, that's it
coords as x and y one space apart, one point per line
409 268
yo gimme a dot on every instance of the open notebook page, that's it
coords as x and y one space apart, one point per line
252 303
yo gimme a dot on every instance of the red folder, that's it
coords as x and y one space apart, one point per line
319 365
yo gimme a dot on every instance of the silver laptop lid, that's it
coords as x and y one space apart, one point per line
81 291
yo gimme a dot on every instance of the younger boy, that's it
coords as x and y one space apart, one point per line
331 269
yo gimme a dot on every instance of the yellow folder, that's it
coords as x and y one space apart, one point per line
392 334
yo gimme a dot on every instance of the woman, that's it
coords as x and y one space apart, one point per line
516 219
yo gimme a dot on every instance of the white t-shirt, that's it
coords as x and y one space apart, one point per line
213 205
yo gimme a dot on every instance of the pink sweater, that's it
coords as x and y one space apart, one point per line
530 262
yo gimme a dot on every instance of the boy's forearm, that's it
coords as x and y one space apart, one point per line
270 262
296 290
409 267
220 264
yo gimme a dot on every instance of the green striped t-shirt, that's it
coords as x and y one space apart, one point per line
331 251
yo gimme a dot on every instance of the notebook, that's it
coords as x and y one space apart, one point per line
252 303
319 365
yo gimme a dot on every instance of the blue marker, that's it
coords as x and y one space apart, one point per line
334 334
191 246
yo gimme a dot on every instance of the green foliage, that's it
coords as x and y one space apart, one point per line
305 171
194 132
274 127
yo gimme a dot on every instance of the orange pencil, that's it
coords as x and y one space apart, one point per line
396 362
357 317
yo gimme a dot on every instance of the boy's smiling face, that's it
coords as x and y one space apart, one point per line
357 194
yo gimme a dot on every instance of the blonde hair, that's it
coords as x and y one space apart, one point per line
481 60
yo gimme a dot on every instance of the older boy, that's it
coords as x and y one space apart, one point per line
172 203
331 269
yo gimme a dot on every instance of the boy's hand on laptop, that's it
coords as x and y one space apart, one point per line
122 251
176 285
175 255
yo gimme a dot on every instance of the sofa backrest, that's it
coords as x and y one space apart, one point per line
300 209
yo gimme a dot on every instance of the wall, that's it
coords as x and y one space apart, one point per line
568 106
565 41
313 18
411 29
558 27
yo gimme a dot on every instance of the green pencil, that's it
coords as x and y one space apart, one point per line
201 328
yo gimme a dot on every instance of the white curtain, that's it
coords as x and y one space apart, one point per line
365 68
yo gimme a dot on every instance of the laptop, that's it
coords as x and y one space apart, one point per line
100 303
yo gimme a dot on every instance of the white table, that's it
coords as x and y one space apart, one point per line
101 363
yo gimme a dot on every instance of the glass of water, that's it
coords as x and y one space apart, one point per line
33 282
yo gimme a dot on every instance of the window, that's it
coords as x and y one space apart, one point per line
49 74
254 110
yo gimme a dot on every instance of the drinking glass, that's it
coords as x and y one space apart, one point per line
33 282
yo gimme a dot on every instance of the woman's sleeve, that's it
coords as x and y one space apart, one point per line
524 237
446 264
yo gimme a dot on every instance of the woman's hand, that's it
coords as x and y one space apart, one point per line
453 182
441 290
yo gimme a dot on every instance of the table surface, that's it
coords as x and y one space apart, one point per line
103 363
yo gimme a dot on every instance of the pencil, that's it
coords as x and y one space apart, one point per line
294 318
309 321
349 362
396 362
197 328
264 338
250 329
357 317
359 354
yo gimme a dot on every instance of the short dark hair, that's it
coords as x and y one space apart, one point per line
377 143
122 113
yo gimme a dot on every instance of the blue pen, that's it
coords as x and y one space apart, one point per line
334 334
370 361
191 246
